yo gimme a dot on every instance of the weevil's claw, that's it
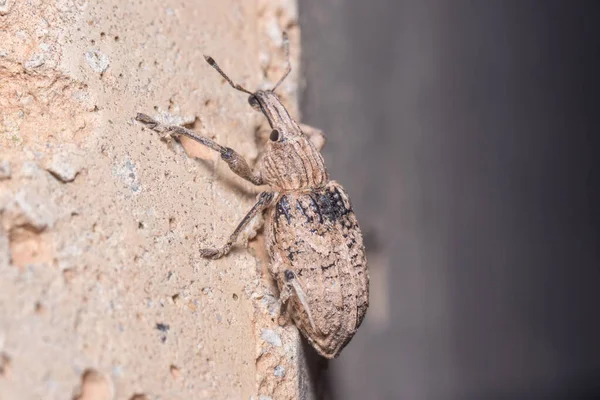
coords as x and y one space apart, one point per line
146 120
215 254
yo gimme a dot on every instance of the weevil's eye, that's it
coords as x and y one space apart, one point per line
253 101
289 275
274 136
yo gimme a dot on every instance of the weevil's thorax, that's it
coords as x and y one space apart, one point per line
290 161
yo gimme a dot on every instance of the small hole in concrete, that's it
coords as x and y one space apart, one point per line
4 364
139 396
235 296
175 372
39 308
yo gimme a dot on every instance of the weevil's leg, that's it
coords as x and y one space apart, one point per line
292 280
315 135
264 201
236 162
284 313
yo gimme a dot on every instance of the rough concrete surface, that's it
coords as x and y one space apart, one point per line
102 292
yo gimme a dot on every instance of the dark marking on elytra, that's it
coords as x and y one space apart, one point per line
315 207
331 205
304 211
291 254
326 267
283 208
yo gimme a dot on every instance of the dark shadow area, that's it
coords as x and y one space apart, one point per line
467 134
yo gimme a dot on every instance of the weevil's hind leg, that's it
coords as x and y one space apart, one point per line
284 311
235 161
264 201
315 135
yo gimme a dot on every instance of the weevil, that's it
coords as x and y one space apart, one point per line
312 235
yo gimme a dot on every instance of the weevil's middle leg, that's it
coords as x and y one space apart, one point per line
264 201
315 135
235 161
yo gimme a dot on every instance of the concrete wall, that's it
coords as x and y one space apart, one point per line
102 292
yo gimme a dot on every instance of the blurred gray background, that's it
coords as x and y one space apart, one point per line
467 135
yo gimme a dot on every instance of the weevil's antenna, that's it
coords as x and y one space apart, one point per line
211 61
286 46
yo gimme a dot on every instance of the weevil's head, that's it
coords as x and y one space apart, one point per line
291 161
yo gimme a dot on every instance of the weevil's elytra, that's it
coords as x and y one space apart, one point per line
312 235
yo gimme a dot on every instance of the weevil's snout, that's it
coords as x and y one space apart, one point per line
268 103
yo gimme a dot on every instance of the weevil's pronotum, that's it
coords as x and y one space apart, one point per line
312 235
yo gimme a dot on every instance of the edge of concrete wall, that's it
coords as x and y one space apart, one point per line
102 292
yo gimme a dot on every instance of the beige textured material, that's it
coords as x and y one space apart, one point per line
103 294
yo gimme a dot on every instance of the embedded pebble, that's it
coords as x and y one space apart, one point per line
5 6
279 371
96 60
65 166
270 337
36 209
5 170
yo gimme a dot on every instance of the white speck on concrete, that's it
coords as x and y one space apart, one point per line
5 170
5 257
279 371
97 60
265 398
167 118
127 172
30 169
271 337
274 32
35 61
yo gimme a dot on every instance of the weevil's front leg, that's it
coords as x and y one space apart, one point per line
264 201
236 162
315 135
